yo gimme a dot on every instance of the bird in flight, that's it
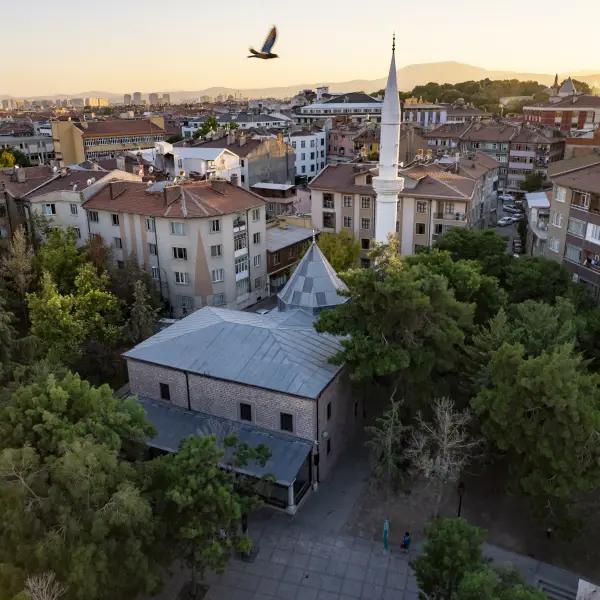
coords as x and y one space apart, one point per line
265 51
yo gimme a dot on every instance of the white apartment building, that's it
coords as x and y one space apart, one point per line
204 243
60 199
357 106
310 146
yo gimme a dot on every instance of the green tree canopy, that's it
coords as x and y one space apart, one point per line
142 322
7 159
60 257
340 249
533 182
536 278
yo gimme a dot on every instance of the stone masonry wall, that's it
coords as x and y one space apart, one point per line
145 380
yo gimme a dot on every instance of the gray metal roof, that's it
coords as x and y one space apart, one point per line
278 238
313 286
174 424
278 351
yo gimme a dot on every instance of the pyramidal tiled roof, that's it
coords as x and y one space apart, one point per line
313 286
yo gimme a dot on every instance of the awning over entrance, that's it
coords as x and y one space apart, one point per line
174 424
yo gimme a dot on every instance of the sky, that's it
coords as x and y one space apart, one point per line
69 46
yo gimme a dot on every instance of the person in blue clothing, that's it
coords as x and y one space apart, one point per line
406 541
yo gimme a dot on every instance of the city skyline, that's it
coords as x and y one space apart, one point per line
117 47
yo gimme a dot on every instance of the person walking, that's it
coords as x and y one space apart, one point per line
405 545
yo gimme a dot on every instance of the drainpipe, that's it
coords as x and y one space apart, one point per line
187 385
318 454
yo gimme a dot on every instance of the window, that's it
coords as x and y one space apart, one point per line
115 219
256 260
150 224
77 232
419 228
348 201
216 250
365 223
438 228
448 208
560 194
155 273
365 243
256 238
329 220
303 156
554 244
328 201
258 283
241 264
557 219
120 264
576 227
215 225
177 228
328 411
348 222
365 263
242 287
179 253
182 278
93 216
152 249
186 303
239 241
256 214
365 202
276 258
421 207
573 253
117 242
245 412
593 233
328 445
218 299
286 422
49 209
218 275
165 392
73 209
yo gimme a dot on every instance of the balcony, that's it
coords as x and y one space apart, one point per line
239 225
449 216
585 201
523 153
240 252
523 166
242 275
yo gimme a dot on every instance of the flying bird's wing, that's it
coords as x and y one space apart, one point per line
270 41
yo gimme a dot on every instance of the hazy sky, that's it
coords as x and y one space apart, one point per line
69 46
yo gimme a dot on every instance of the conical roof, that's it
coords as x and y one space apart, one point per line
313 286
568 88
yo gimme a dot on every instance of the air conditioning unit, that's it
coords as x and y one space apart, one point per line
575 278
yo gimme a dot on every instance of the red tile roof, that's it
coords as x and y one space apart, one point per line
120 127
185 201
34 177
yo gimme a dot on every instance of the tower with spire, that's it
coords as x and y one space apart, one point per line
387 184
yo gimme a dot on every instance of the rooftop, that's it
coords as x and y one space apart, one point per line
120 127
572 164
240 149
33 178
537 200
278 351
278 238
578 102
79 177
586 179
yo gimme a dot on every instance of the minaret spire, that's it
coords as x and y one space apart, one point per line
387 184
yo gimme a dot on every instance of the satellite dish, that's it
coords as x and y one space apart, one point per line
151 169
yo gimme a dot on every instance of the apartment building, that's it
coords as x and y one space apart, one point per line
537 207
310 146
356 106
433 200
76 142
37 148
428 115
574 226
575 111
204 243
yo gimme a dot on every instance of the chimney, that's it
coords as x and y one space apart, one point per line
230 138
242 140
21 175
218 185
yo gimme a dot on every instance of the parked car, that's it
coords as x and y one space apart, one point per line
504 222
506 198
517 217
511 208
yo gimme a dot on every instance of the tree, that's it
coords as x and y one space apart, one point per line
439 450
60 257
22 160
543 413
16 267
581 86
44 587
533 182
98 253
340 249
452 548
536 278
122 283
173 139
232 126
403 324
7 341
209 125
203 506
7 159
70 501
142 322
387 443
495 585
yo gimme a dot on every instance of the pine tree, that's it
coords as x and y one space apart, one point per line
142 321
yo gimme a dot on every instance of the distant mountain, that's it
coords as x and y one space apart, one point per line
408 77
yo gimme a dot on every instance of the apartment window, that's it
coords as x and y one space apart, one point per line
115 219
243 178
242 287
165 392
286 422
365 202
438 228
182 278
328 446
448 208
348 201
177 228
155 273
256 238
573 253
303 169
420 228
303 156
348 222
557 219
93 216
241 264
179 253
186 303
560 194
554 244
421 207
328 201
365 223
576 227
218 299
329 220
328 411
245 412
120 264
150 224
365 243
239 241
258 283
117 242
152 249
593 233
218 275
77 232
49 209
216 250
74 209
256 214
256 260
215 225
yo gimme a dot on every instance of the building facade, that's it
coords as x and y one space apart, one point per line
310 146
355 106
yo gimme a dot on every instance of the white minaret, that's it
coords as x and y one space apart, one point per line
387 184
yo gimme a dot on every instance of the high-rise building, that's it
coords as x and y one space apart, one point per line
127 99
137 97
387 184
153 99
166 99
